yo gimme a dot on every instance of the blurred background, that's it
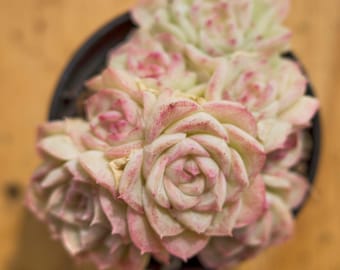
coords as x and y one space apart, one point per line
39 37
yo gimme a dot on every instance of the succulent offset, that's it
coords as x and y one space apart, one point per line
219 27
193 142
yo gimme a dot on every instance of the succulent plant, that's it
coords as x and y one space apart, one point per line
219 27
73 192
193 142
285 191
158 61
275 226
196 175
273 89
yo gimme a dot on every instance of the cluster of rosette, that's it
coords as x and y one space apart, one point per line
192 143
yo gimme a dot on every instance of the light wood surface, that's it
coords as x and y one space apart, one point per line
37 39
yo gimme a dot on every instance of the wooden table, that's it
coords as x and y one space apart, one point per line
37 39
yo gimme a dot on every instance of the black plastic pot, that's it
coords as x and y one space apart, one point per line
90 58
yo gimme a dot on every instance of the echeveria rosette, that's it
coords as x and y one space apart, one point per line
115 113
273 89
224 252
273 229
159 61
115 118
284 192
219 27
74 192
57 143
196 177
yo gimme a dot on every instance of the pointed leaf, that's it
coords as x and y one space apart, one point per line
115 212
166 114
185 245
224 221
155 183
253 203
273 133
251 150
60 147
130 185
195 221
142 234
55 177
94 163
238 178
198 123
71 240
160 219
232 113
301 112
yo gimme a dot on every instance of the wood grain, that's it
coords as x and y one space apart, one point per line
38 38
